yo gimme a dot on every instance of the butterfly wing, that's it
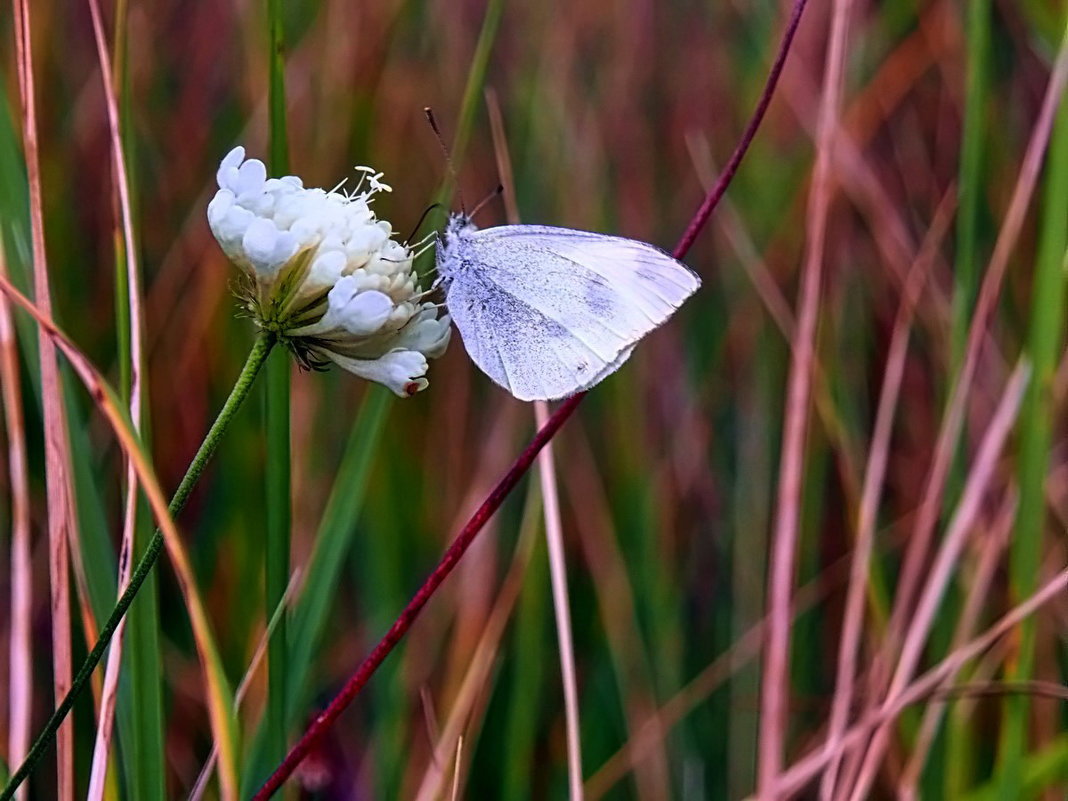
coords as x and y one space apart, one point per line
526 353
547 312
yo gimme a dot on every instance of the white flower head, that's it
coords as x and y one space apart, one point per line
324 274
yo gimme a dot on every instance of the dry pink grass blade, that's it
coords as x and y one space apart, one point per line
554 535
797 777
874 475
448 740
945 564
775 681
21 644
215 687
57 447
912 571
990 550
106 718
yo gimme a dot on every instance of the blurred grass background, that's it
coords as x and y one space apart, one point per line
616 116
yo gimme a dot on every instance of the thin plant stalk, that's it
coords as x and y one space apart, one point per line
990 551
106 718
511 478
481 664
57 446
874 475
242 386
554 538
912 571
20 664
971 176
554 535
1045 339
807 768
782 564
277 428
941 571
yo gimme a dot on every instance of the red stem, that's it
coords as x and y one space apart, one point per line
493 502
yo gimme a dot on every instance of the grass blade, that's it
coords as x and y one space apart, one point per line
20 676
277 424
132 366
57 446
782 561
1044 342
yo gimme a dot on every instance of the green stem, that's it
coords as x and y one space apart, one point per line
276 548
255 361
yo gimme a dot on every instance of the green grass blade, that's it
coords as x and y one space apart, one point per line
333 540
972 176
1044 343
276 547
277 421
139 710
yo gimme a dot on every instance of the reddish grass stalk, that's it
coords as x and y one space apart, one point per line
478 671
941 572
20 679
554 538
913 572
776 674
853 617
805 770
523 462
554 530
106 718
57 446
979 591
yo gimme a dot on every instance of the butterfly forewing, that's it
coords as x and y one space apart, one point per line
547 312
641 277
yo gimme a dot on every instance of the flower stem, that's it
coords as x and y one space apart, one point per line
276 546
255 361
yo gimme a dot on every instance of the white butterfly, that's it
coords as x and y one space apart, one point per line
547 312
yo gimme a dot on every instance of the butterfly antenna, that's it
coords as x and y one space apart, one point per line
491 196
422 219
429 112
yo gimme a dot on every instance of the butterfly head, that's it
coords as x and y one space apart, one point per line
449 244
458 225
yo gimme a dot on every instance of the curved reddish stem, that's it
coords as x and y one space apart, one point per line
525 459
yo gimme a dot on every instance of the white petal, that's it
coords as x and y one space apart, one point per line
259 243
359 313
227 171
251 177
426 335
400 370
231 227
306 229
219 206
326 269
285 247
